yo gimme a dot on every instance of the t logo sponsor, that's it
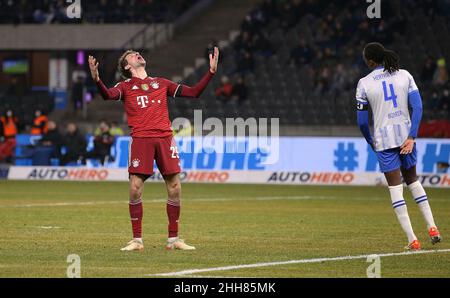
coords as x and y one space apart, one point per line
142 101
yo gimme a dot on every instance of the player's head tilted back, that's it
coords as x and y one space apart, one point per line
375 54
129 62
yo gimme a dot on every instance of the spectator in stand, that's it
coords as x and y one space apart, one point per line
40 123
240 91
428 70
94 11
52 138
74 145
340 79
445 99
243 42
8 144
433 102
302 54
323 81
78 79
98 131
441 75
115 130
48 147
262 45
246 63
17 87
225 90
249 25
291 14
102 145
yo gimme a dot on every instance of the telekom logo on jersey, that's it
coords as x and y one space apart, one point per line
142 101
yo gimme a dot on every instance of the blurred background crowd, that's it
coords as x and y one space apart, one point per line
297 60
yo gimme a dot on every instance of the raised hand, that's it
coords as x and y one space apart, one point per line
214 60
93 66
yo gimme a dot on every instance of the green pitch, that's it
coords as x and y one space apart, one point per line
41 223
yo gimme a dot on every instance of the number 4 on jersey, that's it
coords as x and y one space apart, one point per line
393 97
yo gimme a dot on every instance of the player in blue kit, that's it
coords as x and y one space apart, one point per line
390 91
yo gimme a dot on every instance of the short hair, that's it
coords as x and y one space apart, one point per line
122 63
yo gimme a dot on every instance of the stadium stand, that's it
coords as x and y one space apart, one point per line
95 11
300 60
307 65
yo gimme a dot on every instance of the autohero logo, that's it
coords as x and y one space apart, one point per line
314 177
73 11
67 174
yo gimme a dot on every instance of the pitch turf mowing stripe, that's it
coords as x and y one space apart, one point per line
191 200
303 261
274 198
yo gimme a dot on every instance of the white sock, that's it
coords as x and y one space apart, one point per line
399 204
138 239
172 239
420 196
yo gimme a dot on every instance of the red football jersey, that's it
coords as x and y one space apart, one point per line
146 105
146 102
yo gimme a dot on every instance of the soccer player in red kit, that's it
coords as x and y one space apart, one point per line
145 100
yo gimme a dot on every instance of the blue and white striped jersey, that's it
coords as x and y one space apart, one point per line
387 94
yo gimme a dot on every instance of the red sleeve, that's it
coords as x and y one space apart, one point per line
198 89
178 90
115 93
172 88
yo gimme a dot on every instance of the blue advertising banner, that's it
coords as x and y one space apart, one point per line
295 153
325 154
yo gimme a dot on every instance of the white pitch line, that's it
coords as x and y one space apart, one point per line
48 227
303 261
189 200
59 204
215 276
62 204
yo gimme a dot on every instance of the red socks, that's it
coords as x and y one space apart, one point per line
136 213
173 213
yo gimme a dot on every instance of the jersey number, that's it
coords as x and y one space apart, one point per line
174 150
392 97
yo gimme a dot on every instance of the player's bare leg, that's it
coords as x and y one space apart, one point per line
398 203
420 196
173 185
136 212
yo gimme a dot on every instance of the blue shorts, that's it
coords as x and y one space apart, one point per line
391 159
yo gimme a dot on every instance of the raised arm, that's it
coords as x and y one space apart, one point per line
197 90
107 93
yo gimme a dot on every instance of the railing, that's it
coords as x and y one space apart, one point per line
160 34
147 38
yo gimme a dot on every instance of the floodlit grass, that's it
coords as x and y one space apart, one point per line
43 222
